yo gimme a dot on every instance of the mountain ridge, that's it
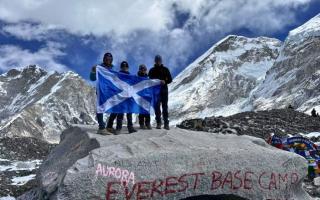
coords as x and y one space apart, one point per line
38 103
271 79
222 76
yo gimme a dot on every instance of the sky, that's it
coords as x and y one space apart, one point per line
73 35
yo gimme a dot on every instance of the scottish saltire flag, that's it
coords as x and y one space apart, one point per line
124 93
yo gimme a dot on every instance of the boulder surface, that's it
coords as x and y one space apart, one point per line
175 164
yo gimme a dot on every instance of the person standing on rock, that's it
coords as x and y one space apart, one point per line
124 68
144 119
159 71
107 63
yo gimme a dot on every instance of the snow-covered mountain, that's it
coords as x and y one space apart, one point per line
37 103
243 74
295 76
220 81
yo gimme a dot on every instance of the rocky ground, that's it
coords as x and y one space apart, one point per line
19 161
260 124
311 188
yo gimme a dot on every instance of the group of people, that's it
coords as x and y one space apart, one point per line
158 71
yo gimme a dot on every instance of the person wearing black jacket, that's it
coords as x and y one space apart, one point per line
144 119
124 68
107 63
159 71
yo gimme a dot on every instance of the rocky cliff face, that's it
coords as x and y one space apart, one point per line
37 103
295 76
221 80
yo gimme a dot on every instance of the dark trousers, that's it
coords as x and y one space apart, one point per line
101 123
144 119
164 102
111 119
119 117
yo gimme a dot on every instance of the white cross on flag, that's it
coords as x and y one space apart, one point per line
124 93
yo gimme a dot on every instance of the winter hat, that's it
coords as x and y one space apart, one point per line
107 55
158 58
124 64
142 67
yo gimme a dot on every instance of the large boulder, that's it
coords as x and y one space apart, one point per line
175 164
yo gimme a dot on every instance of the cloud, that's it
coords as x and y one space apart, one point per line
137 30
123 17
85 17
30 31
12 56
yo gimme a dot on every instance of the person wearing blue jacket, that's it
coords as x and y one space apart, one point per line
107 63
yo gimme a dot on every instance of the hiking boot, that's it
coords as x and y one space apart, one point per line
166 126
117 132
158 126
148 126
111 130
143 127
131 130
103 132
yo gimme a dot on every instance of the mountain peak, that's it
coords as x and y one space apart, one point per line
237 44
309 29
36 68
227 72
27 70
70 74
232 42
35 71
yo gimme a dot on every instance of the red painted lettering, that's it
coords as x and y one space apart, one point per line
216 178
127 193
196 180
155 188
228 180
236 176
142 190
296 178
168 184
109 191
184 182
260 182
247 180
273 181
284 179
